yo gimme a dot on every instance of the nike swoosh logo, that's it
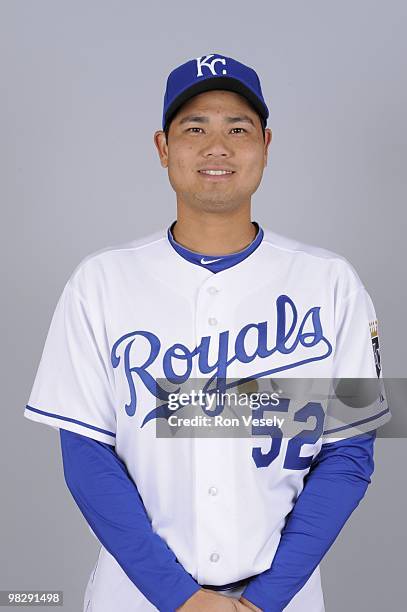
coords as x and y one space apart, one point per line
208 261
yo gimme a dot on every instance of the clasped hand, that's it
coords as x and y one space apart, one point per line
206 600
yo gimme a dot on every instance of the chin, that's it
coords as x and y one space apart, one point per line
216 205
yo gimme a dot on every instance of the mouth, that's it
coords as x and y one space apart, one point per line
216 175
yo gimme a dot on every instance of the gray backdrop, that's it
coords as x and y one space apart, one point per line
82 85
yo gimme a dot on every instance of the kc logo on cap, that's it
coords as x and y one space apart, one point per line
203 61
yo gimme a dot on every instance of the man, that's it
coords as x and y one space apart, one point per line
210 523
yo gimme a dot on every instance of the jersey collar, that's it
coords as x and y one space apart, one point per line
215 263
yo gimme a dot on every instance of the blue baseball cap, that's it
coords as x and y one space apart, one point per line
209 72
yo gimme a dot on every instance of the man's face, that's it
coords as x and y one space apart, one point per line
215 130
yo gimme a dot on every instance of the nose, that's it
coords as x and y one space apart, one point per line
216 147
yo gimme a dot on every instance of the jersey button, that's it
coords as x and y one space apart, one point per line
212 321
213 491
214 557
212 290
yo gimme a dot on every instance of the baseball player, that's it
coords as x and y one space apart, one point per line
210 523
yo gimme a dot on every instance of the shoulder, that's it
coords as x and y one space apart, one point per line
335 267
295 246
110 263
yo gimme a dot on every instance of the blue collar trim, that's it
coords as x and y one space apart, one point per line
215 263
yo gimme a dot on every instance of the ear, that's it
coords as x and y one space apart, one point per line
162 147
268 134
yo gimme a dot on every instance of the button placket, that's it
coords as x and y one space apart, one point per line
212 291
209 452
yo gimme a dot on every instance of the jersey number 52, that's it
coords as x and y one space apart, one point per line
293 460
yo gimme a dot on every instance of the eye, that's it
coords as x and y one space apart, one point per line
198 128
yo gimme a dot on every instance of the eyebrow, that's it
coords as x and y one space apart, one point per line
203 119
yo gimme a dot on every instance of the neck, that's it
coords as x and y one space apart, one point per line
214 234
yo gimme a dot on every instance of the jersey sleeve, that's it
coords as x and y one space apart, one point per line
357 402
73 385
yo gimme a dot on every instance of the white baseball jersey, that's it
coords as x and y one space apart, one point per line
138 312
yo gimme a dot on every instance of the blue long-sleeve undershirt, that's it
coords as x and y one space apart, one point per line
336 483
109 500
